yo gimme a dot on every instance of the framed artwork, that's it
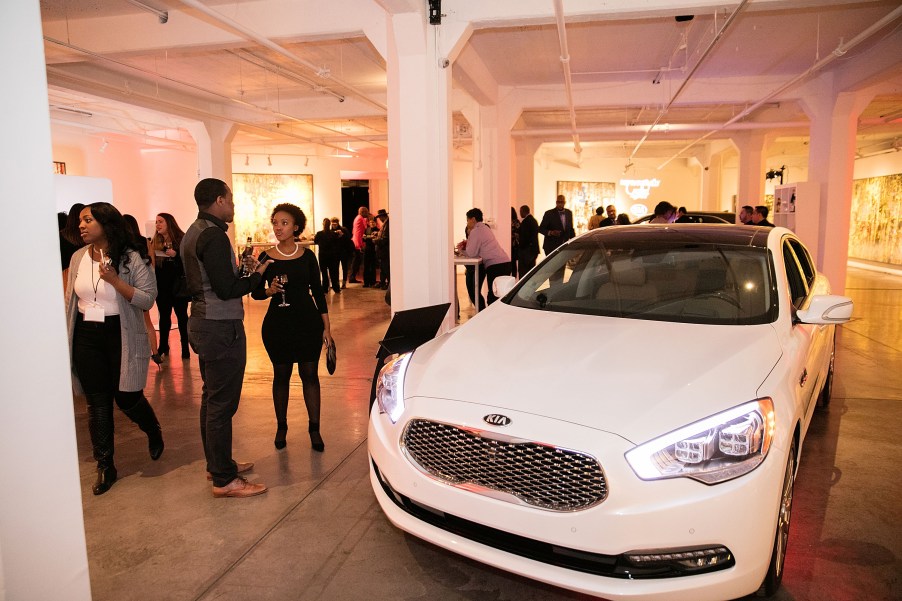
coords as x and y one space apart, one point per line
59 167
255 195
875 230
584 197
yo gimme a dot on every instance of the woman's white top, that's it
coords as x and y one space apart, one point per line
91 290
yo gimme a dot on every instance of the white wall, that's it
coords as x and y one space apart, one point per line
680 182
42 540
878 165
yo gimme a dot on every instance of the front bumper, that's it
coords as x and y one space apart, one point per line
583 550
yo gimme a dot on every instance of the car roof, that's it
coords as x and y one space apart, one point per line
676 233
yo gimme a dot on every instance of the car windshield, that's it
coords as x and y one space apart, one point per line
655 280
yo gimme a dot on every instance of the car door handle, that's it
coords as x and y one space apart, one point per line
804 377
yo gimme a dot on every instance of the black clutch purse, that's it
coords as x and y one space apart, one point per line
330 358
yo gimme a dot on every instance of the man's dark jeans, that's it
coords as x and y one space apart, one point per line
221 349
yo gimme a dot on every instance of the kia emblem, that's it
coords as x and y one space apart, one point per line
496 419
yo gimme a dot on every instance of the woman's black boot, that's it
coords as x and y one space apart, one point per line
100 426
142 414
316 441
106 476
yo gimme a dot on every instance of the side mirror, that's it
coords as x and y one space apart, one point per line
825 309
503 284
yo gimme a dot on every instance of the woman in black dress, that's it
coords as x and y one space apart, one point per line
296 325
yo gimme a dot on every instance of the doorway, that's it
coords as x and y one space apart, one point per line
355 193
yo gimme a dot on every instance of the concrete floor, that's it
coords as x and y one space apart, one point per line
319 533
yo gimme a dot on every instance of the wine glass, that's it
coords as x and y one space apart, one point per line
283 279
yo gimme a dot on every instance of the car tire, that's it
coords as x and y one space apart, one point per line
823 401
774 575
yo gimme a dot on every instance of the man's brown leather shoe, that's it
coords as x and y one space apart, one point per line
239 488
243 466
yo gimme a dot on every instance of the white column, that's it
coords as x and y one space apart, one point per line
751 167
831 163
214 152
214 148
419 161
523 192
42 539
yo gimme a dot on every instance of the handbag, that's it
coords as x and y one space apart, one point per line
330 358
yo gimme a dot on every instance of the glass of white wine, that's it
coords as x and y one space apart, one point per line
283 279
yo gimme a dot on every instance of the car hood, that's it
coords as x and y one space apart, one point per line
634 378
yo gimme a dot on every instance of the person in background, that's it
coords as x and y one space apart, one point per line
481 242
529 241
70 238
133 228
358 231
383 250
173 294
296 325
326 241
557 225
596 219
216 331
515 241
759 217
611 218
684 217
745 215
345 250
664 213
110 285
623 219
369 253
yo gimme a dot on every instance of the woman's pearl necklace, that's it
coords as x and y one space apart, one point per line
291 254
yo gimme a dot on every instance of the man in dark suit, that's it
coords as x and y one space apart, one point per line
759 217
611 219
557 225
529 242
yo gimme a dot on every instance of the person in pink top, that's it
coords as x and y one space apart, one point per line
358 229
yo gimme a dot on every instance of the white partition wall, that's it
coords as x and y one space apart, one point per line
42 541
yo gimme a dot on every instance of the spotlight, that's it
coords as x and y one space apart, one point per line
247 160
306 161
269 160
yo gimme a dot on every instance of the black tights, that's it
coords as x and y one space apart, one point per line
308 370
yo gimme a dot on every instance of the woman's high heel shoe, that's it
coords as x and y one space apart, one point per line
158 359
316 441
279 441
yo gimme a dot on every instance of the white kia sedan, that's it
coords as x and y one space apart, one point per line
626 421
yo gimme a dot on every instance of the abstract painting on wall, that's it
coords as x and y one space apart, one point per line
255 195
584 197
876 223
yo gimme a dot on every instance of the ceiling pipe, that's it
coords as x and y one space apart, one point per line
626 129
177 108
841 49
192 86
255 37
568 78
695 68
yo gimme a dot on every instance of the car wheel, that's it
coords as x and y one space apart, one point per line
778 556
827 391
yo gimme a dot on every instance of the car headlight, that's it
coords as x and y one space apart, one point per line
390 387
715 449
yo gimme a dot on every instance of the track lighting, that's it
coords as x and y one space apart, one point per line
269 160
306 161
247 160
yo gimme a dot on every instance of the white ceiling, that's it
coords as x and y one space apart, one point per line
113 68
